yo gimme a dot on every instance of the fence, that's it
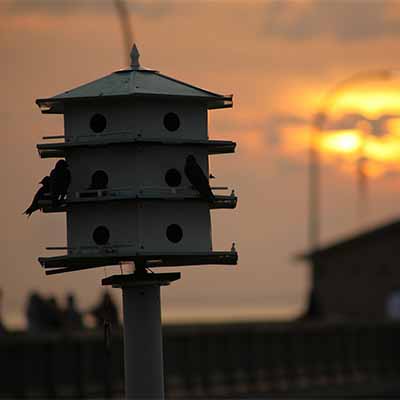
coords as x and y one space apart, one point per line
207 360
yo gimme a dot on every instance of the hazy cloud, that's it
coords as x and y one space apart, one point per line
377 127
341 20
66 7
275 124
346 121
287 165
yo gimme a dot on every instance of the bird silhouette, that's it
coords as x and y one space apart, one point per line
60 178
197 178
40 195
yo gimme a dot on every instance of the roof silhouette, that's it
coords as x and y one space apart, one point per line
360 239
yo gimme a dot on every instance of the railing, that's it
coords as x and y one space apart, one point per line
93 249
144 192
53 137
211 361
92 136
259 359
125 133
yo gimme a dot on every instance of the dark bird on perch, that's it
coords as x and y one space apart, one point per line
40 195
60 178
198 178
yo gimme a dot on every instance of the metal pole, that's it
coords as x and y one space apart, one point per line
144 377
362 177
314 192
315 182
143 353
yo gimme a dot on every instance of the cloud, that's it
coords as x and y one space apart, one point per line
275 124
149 9
27 7
278 126
341 20
377 127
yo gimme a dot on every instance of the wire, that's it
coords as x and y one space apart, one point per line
107 335
105 271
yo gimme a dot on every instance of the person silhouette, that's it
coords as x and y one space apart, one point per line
72 318
35 312
105 311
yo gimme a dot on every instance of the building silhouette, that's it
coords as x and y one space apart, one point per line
357 277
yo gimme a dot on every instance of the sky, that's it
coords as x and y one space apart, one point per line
281 60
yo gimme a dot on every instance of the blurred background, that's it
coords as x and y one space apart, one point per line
279 59
316 118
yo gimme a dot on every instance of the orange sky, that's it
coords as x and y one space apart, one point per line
279 59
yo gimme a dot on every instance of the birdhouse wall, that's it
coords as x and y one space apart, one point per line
159 160
145 118
192 217
150 226
118 162
120 219
132 166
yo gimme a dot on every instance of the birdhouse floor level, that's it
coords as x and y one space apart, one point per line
60 264
221 202
59 150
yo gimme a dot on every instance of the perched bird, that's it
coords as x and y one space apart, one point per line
60 178
40 195
197 178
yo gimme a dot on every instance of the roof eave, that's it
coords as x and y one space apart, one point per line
56 105
305 256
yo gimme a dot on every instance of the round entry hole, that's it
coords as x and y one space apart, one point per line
98 123
174 233
101 235
173 177
99 180
171 122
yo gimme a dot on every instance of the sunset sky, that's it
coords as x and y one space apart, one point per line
281 60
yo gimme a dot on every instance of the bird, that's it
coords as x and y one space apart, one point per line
40 195
197 178
60 178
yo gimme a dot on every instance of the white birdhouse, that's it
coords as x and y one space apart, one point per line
127 137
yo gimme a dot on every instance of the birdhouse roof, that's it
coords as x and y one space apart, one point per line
133 83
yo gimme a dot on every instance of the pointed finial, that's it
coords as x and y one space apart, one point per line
233 248
135 57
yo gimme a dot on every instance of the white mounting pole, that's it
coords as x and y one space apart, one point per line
143 353
144 376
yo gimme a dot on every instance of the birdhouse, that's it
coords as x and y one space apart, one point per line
127 140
